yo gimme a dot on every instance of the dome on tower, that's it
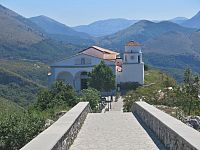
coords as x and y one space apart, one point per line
133 43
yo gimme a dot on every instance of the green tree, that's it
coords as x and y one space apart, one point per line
146 67
63 93
43 99
102 78
92 96
169 82
59 94
185 96
17 129
191 85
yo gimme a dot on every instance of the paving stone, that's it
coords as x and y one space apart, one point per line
113 131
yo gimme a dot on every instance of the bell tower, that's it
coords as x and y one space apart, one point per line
133 53
132 66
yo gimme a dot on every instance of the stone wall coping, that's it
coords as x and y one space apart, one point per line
51 136
189 134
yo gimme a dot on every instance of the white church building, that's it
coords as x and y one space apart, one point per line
73 70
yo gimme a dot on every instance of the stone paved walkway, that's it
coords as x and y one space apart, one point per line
117 106
113 130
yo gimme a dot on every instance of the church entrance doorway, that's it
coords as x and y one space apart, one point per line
84 80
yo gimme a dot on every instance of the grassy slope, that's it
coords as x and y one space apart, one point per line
174 65
154 76
154 81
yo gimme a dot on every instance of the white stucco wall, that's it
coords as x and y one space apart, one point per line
136 49
75 73
132 57
72 61
74 67
131 73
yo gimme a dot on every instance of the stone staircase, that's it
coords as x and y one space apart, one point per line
113 130
79 129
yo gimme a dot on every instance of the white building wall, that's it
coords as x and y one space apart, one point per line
131 73
73 67
135 49
132 70
73 61
75 73
132 57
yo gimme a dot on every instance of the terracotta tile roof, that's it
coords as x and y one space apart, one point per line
133 43
105 50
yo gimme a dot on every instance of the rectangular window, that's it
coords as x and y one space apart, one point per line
125 58
82 61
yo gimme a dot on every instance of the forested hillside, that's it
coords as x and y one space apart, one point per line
7 106
61 32
32 70
20 38
141 31
17 88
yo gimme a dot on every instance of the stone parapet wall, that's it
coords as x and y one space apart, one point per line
174 134
61 134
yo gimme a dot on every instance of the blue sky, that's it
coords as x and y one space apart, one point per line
76 12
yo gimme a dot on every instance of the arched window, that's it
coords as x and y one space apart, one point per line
139 59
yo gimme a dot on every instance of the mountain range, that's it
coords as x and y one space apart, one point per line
141 31
194 22
20 38
61 32
44 39
178 20
105 27
15 29
111 26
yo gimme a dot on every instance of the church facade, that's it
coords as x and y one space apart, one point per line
74 69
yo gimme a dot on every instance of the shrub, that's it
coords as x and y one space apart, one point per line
18 129
92 96
59 94
128 86
146 67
